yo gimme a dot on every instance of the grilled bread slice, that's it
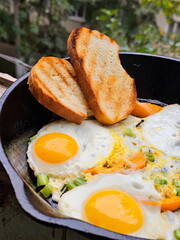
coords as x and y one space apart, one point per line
52 81
109 90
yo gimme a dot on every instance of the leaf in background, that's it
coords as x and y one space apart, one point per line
102 18
34 28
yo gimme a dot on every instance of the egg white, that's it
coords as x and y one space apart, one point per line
172 221
162 130
132 144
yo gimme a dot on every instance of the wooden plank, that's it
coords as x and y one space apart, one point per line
2 89
6 79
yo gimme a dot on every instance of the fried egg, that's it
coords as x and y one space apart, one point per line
115 202
62 148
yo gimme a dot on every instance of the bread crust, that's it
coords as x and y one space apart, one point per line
109 90
42 91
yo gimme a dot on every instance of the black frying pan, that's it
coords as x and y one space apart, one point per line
21 116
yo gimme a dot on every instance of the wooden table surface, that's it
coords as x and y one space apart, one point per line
15 224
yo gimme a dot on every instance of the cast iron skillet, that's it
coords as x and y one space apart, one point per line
21 116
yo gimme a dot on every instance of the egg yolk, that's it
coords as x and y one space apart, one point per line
114 210
55 148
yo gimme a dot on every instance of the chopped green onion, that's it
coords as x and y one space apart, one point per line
47 190
129 132
178 191
176 182
160 181
70 186
177 233
150 156
33 137
79 181
42 179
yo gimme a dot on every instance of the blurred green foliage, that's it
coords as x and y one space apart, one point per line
39 27
6 21
168 7
42 34
132 24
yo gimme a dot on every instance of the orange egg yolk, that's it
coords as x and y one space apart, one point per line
114 210
55 148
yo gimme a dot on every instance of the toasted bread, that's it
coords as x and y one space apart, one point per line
109 90
52 81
